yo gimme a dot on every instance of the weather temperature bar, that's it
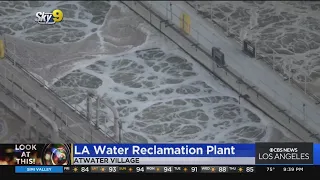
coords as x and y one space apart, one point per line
191 169
208 169
159 169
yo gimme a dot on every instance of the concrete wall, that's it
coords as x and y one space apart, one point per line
254 72
158 11
47 111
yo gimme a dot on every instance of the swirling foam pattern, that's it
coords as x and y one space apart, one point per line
160 93
290 28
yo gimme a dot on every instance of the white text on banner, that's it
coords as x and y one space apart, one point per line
164 160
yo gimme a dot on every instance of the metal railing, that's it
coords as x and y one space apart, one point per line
171 17
65 120
27 134
118 131
25 98
224 24
8 87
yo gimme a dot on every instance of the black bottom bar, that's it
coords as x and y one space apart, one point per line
171 169
288 169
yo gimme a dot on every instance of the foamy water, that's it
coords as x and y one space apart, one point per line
160 93
287 33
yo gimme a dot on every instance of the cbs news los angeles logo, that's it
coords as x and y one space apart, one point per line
49 18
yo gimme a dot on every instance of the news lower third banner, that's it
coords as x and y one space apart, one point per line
163 154
284 153
198 154
160 154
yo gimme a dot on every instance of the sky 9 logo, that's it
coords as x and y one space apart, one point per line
49 18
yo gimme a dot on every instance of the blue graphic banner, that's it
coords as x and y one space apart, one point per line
163 150
316 154
39 169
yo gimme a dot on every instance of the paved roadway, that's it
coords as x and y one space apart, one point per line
298 132
279 92
57 114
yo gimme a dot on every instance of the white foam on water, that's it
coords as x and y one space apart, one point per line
161 94
287 33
